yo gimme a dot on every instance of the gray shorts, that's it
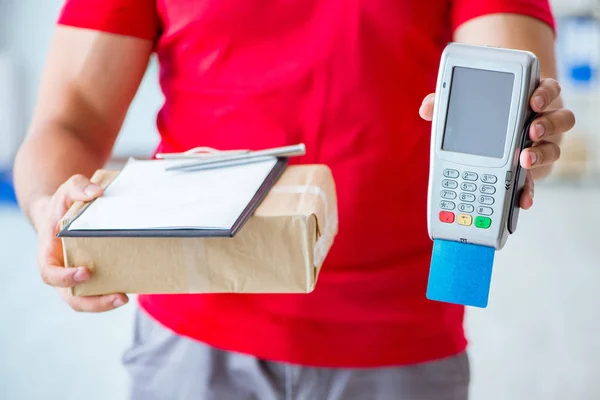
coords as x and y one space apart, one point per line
165 366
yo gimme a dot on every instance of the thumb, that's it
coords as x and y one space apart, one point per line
426 109
77 188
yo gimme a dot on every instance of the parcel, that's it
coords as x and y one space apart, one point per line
279 249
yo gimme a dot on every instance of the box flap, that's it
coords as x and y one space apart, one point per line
306 190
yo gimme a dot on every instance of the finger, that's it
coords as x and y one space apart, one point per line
59 276
426 109
50 254
547 91
552 123
544 153
94 303
77 188
526 200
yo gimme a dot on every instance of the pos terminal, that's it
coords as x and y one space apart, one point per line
480 126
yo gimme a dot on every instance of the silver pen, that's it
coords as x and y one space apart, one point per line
253 156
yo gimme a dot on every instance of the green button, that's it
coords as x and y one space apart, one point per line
483 222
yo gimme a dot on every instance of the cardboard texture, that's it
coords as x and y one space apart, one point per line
280 249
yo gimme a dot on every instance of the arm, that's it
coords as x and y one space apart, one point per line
527 33
88 84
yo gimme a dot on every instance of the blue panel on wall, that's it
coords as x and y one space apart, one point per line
582 73
7 192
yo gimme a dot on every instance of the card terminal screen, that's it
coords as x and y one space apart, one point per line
478 111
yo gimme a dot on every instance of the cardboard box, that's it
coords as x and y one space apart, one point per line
280 249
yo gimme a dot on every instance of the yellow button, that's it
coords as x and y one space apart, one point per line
464 219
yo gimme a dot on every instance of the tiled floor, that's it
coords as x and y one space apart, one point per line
539 339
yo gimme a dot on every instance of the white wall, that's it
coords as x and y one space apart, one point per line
9 116
575 7
25 30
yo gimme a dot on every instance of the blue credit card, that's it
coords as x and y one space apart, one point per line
460 273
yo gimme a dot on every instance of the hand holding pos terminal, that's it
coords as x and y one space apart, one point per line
480 125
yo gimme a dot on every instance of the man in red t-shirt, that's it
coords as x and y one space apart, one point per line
350 79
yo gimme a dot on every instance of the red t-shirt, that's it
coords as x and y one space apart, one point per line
346 79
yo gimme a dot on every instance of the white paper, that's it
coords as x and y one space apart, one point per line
145 196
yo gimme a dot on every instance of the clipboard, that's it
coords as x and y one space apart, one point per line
191 232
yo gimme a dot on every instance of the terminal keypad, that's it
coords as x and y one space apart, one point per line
468 193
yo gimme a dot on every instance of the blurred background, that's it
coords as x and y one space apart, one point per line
539 338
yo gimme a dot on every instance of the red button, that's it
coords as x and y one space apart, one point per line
447 217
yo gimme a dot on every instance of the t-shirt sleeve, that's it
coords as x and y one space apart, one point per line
136 18
465 10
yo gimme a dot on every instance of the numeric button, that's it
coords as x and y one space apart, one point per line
448 194
487 189
466 208
484 210
487 200
468 187
469 176
449 184
447 205
451 173
467 197
487 178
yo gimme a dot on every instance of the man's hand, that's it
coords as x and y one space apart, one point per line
548 125
47 218
89 81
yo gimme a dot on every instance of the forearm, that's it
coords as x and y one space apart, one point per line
45 161
87 86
